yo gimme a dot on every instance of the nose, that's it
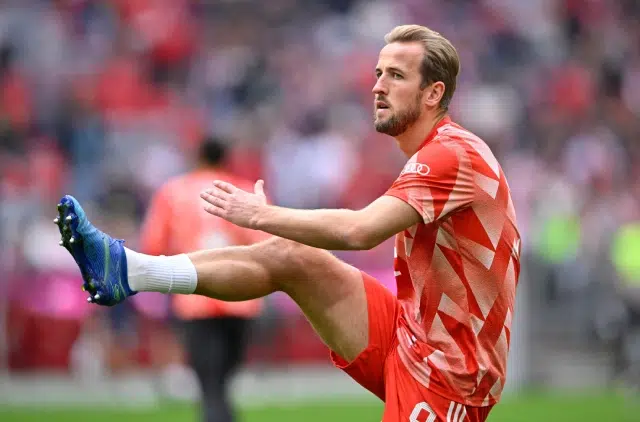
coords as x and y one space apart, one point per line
380 88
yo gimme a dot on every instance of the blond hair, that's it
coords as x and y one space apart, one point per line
440 62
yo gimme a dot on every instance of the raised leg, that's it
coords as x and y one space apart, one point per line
330 292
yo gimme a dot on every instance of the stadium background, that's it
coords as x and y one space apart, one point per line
106 99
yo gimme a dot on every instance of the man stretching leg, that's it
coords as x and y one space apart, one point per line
437 351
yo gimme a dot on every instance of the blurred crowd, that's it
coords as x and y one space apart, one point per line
107 99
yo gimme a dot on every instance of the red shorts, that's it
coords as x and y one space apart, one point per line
379 369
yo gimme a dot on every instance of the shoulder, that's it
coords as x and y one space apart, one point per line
446 148
453 140
454 136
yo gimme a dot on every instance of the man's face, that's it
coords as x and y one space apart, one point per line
398 96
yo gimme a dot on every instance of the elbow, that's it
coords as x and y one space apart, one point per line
359 238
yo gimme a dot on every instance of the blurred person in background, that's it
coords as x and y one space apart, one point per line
216 333
437 350
625 259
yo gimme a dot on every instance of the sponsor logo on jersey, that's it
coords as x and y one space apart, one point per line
416 168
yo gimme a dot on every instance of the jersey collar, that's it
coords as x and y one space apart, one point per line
444 121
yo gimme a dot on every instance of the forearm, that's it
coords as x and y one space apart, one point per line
332 229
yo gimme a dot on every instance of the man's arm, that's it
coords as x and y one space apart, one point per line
436 182
338 229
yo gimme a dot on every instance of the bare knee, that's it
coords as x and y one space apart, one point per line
285 258
329 291
279 245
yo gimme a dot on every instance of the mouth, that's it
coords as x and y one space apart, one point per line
381 105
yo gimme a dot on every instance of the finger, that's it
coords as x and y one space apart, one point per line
213 200
227 187
259 187
218 193
218 212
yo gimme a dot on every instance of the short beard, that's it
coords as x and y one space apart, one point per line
398 123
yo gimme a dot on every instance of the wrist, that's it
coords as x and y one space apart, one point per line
259 218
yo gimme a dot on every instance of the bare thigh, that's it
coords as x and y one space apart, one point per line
329 292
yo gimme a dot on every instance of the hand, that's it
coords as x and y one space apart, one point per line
235 205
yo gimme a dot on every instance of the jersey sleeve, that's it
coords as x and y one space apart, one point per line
437 181
156 227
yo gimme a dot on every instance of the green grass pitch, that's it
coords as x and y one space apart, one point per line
529 408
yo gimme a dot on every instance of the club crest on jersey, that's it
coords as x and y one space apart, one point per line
416 168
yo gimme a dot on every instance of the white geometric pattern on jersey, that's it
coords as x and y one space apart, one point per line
483 361
485 294
460 191
487 184
502 346
492 222
501 349
515 249
443 238
439 360
495 390
413 230
408 240
476 143
443 269
419 369
449 307
476 324
428 212
424 372
395 255
482 254
482 371
510 280
444 362
452 356
417 280
507 320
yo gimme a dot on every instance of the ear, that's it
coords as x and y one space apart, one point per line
433 94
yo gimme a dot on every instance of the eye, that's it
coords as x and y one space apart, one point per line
396 75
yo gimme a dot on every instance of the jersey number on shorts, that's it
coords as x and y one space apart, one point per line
417 411
457 412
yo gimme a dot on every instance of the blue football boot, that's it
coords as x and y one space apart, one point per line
101 259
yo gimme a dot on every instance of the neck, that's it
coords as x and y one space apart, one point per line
411 139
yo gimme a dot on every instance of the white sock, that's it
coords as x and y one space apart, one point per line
164 274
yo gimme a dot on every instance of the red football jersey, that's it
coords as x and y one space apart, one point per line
457 270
